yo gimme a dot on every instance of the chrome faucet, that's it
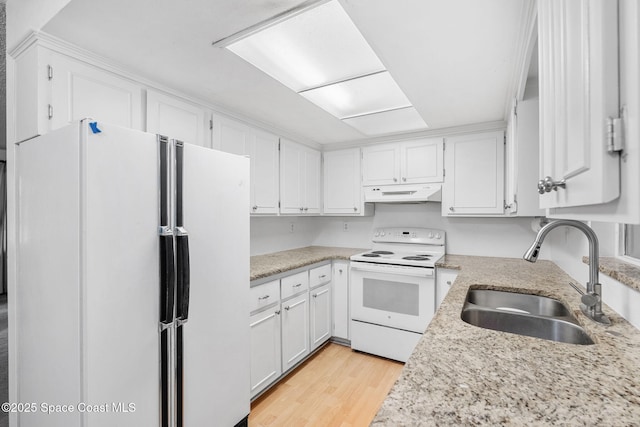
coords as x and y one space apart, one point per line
591 301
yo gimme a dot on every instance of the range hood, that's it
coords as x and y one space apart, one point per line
404 193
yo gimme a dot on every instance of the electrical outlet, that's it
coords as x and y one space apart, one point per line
345 226
291 227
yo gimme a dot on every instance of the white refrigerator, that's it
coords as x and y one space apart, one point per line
132 280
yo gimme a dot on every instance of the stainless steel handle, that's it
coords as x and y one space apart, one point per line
404 179
50 111
298 285
547 184
263 298
322 277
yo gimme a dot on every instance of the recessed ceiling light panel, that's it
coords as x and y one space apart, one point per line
311 49
388 122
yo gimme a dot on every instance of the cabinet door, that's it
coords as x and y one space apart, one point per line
264 173
295 330
178 119
342 188
340 281
421 161
266 360
444 281
381 164
312 181
474 182
231 136
79 91
291 180
578 91
320 315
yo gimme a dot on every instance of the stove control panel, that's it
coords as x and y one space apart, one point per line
428 236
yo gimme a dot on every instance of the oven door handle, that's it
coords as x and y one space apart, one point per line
389 269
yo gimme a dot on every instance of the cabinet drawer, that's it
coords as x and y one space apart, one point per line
292 285
319 275
264 295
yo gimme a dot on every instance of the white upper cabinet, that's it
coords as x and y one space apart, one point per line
53 90
264 173
474 180
262 148
411 162
299 179
343 184
178 119
578 92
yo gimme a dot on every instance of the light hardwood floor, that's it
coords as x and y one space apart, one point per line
335 387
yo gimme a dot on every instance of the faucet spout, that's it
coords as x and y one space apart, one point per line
594 289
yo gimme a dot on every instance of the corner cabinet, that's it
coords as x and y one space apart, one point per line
411 162
299 179
342 179
579 88
474 175
175 118
53 90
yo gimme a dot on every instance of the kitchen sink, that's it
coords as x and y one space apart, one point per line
523 314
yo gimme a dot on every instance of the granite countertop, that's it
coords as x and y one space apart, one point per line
280 262
461 374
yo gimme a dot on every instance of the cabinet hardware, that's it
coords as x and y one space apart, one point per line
50 111
547 184
277 312
287 308
298 285
49 72
451 209
615 135
315 295
263 298
255 208
355 209
301 209
322 277
395 179
340 270
404 179
306 209
210 124
448 282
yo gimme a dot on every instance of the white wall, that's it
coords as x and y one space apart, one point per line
25 16
503 237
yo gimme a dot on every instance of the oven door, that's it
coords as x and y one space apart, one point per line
394 296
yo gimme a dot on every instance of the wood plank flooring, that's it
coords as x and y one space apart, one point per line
335 387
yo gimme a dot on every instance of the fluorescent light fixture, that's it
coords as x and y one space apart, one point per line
319 53
311 49
355 97
388 122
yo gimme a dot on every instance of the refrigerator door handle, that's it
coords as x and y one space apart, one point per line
167 278
183 275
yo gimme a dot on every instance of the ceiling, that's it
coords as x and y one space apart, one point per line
455 60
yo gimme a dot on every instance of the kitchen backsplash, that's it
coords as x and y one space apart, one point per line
504 237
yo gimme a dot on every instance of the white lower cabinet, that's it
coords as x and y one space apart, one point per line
266 359
340 281
320 315
444 280
295 330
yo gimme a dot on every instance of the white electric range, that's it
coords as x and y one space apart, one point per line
393 291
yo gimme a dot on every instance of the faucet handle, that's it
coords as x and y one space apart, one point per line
590 300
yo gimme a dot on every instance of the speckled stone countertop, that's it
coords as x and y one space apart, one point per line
619 270
461 374
279 262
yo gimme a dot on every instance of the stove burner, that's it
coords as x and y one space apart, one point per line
417 258
372 255
382 252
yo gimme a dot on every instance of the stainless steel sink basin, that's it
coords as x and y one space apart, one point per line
523 314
